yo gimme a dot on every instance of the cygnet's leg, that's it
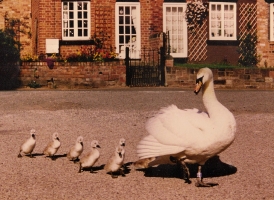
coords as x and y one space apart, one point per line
80 168
19 155
200 182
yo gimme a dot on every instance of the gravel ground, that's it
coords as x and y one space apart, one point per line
243 171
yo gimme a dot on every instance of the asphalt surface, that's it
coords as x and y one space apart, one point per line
243 171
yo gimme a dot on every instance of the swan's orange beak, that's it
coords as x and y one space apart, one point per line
198 87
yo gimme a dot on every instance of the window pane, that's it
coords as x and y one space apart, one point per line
71 6
71 32
127 29
80 15
79 32
71 15
85 32
127 20
85 6
127 10
121 20
71 24
85 15
127 38
121 39
85 23
80 24
121 30
133 30
121 10
79 6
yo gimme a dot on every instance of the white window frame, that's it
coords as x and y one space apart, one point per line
70 20
131 38
176 25
271 17
222 22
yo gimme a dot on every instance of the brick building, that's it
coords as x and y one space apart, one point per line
18 9
60 26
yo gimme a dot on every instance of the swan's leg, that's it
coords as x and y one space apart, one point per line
186 171
200 182
182 164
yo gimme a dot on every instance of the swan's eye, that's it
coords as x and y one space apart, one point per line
198 80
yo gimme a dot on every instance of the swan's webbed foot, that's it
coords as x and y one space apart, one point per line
200 183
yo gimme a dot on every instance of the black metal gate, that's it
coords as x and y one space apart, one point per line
149 70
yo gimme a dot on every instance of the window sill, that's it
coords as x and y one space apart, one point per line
223 42
76 42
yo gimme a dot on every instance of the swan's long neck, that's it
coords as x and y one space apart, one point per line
210 100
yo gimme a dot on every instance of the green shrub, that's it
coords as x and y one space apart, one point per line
9 61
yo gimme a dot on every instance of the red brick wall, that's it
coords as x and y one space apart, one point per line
49 22
74 75
264 47
18 9
97 74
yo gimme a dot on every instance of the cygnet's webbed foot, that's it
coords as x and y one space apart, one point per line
113 175
53 158
200 183
122 172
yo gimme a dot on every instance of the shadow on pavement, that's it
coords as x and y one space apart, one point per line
214 167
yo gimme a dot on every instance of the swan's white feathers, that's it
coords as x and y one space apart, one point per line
189 134
150 147
169 131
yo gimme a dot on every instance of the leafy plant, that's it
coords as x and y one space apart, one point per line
247 48
196 13
34 84
90 54
10 51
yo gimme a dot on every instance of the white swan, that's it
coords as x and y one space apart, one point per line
188 136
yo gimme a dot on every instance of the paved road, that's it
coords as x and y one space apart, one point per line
243 171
